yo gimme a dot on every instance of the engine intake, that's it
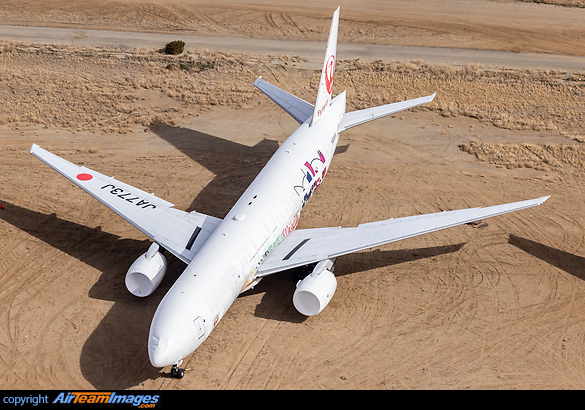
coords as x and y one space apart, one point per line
315 291
147 272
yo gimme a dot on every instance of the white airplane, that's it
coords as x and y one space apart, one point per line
257 237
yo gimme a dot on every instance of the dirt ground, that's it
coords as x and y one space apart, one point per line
499 305
482 24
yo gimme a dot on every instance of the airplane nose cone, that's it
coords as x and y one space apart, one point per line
163 352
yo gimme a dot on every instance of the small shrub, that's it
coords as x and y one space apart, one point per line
175 47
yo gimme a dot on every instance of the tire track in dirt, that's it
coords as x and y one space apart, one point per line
511 303
284 23
237 375
564 302
12 259
289 19
20 299
62 322
64 365
244 370
268 16
31 270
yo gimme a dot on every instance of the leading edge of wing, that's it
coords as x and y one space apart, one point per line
307 246
181 233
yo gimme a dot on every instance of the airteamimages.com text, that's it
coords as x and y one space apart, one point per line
78 398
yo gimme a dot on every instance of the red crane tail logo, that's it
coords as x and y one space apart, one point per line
329 71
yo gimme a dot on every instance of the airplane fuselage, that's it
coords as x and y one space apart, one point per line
228 262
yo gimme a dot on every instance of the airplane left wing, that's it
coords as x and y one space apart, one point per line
305 246
181 233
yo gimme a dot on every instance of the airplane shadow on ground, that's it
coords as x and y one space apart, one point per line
570 263
279 288
235 165
115 354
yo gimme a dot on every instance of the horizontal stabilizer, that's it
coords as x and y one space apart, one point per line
299 109
306 246
351 119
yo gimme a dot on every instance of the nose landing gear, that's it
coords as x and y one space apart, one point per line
177 372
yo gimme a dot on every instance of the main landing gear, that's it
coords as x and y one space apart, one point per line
176 372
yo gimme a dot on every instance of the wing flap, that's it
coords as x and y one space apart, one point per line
181 233
306 246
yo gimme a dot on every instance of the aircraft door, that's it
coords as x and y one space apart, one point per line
198 322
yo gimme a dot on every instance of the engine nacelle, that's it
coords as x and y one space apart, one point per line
147 272
315 291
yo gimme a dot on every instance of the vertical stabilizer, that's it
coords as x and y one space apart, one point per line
324 93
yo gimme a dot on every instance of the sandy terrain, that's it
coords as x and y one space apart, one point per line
501 25
498 305
129 41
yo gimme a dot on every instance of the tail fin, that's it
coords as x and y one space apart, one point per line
324 92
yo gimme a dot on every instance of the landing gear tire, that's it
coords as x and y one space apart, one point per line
176 372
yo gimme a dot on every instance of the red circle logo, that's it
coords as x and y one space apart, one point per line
84 177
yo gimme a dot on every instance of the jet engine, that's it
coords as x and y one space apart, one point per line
147 272
315 291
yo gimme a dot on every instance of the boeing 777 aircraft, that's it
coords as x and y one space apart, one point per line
257 237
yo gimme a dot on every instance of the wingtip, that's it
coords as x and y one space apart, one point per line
33 148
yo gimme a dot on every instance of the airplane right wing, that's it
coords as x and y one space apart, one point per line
306 246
